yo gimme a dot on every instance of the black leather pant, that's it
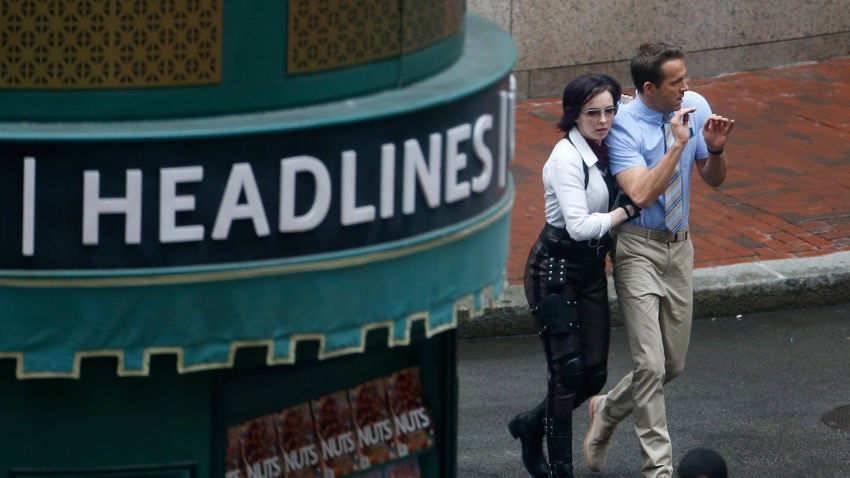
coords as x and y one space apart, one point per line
566 287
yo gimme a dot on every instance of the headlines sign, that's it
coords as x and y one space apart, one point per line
189 201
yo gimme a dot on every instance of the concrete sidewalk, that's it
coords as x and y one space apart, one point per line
775 235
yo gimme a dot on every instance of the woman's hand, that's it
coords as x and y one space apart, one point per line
624 202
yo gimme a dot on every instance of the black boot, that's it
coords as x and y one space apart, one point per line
561 470
559 443
528 427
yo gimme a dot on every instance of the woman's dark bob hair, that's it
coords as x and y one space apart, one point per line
580 91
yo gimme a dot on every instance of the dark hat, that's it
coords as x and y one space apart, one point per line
702 461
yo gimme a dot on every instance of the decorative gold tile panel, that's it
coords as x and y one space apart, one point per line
76 44
329 34
429 21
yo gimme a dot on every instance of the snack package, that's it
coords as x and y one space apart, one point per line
299 447
335 429
259 450
375 433
414 429
233 454
408 468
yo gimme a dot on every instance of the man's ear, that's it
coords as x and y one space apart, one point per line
649 88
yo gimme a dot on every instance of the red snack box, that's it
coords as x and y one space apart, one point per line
259 450
233 454
299 447
375 431
335 429
414 428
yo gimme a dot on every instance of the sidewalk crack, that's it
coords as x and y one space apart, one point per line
828 125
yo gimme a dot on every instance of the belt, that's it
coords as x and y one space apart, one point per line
663 236
560 241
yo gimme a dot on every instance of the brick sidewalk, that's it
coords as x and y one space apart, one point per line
787 191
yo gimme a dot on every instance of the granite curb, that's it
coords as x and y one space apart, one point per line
718 291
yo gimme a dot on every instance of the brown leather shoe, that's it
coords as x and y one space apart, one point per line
598 436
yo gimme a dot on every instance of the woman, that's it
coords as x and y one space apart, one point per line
565 282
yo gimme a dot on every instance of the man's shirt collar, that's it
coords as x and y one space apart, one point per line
646 113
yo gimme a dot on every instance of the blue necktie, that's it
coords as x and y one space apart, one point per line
673 213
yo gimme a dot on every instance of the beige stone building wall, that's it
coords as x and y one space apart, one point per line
559 39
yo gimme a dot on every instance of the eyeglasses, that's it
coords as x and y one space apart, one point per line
595 113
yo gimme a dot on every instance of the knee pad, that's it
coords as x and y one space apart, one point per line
568 371
556 315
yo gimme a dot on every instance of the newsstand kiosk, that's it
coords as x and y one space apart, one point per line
235 234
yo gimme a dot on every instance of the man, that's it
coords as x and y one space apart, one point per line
655 143
702 463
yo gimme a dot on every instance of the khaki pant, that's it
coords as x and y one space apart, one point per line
654 283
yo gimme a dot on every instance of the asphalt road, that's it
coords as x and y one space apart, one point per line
755 388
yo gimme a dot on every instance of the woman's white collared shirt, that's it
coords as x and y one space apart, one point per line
583 212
